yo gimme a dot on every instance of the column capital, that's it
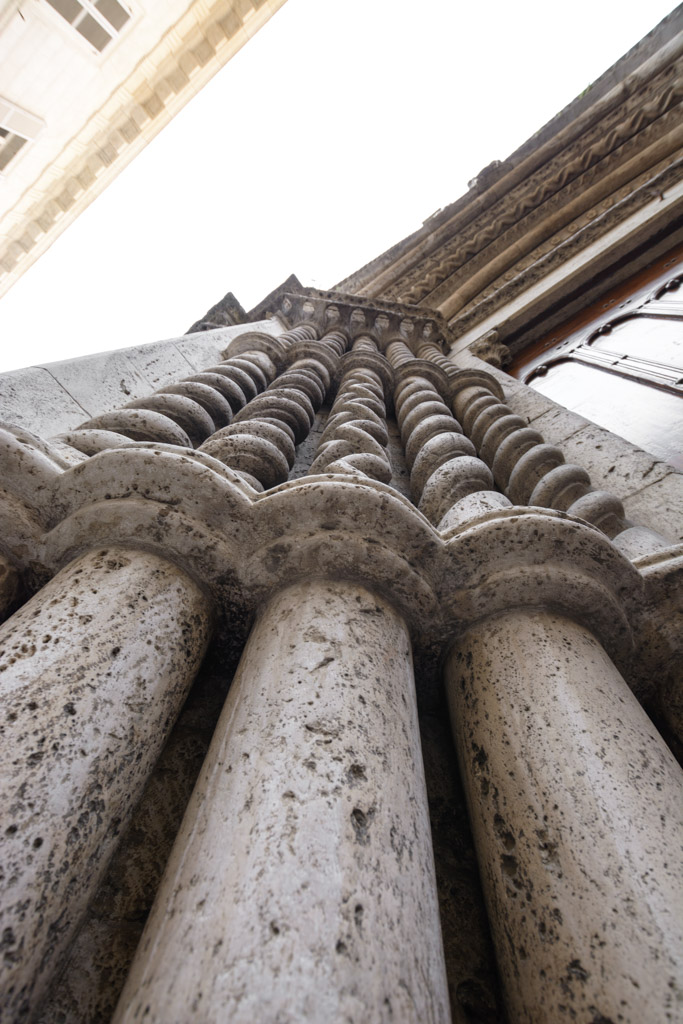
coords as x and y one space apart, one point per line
383 320
243 545
521 557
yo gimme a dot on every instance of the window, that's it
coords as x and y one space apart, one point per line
17 127
10 144
98 21
620 361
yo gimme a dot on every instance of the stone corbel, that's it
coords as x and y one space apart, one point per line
491 349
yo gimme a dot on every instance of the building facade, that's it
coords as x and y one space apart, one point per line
341 673
84 86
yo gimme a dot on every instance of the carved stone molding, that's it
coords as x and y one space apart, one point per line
541 207
242 545
379 319
556 251
626 131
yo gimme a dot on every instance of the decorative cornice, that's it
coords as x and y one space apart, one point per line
381 319
630 75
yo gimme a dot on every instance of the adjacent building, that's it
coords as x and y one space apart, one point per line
84 86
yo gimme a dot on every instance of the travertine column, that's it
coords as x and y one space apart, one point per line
260 444
576 805
448 483
355 436
93 671
301 886
193 409
185 413
531 472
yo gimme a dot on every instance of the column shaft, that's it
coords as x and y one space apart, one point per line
448 483
301 886
532 472
260 445
93 671
355 436
574 800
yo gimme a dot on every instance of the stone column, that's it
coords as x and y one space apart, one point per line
193 409
531 472
574 800
355 437
260 444
301 885
93 671
448 483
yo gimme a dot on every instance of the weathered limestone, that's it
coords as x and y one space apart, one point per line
188 412
93 671
301 886
57 397
576 808
660 641
87 987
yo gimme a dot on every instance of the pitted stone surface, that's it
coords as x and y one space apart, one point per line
32 398
206 513
193 409
301 886
260 443
445 474
661 503
642 481
576 807
93 671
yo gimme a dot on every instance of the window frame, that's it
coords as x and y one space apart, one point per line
88 8
18 123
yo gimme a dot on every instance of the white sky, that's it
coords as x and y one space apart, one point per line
333 134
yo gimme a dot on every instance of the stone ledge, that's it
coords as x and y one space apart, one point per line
33 396
623 468
53 397
660 502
